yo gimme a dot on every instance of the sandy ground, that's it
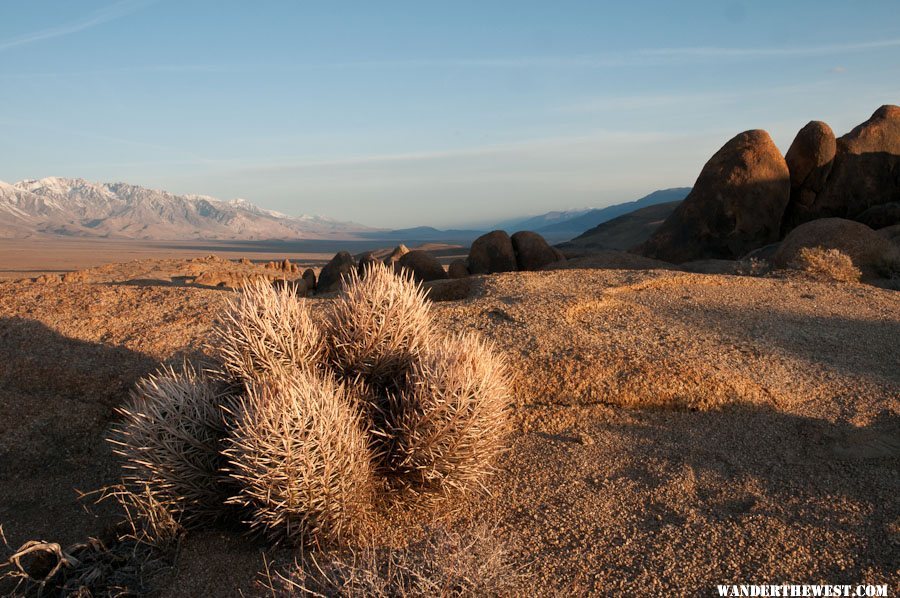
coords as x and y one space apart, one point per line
673 431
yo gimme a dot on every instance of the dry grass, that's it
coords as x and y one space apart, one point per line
448 424
264 331
378 325
300 455
826 264
171 438
472 563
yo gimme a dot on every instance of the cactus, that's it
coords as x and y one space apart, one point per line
265 331
170 438
300 455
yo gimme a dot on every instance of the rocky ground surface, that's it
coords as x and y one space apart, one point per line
673 431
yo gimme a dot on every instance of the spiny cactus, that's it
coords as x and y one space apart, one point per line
170 438
329 424
265 331
299 453
447 426
377 326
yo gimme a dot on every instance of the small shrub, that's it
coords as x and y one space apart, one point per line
826 264
170 439
377 326
447 426
299 453
265 331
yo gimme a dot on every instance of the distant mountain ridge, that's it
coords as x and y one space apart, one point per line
76 207
592 218
424 233
622 232
542 220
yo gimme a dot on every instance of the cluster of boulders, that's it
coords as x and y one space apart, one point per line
498 252
422 264
490 253
748 195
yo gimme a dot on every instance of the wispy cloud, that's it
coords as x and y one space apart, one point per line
640 57
700 99
104 15
723 52
521 148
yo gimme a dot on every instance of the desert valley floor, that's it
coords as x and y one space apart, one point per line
672 431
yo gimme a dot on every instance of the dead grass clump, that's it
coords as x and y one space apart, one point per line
447 425
264 331
171 438
826 264
378 325
300 456
472 563
121 564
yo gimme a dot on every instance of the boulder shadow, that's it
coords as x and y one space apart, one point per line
57 400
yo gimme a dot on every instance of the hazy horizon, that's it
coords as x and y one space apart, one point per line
408 114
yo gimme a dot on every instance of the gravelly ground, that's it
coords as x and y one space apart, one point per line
673 430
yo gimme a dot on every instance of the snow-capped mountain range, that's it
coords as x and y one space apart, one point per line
76 207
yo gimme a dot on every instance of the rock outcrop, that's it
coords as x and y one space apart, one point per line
865 173
532 251
809 161
490 253
424 266
398 252
892 234
735 206
881 216
340 266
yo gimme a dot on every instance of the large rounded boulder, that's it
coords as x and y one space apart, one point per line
735 206
892 234
532 251
309 276
809 161
865 173
882 216
424 266
341 266
492 252
364 262
867 249
458 269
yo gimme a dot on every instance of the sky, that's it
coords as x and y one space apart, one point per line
404 113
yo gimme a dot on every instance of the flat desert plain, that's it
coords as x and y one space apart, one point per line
33 257
671 431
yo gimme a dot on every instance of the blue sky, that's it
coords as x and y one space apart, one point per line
403 113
